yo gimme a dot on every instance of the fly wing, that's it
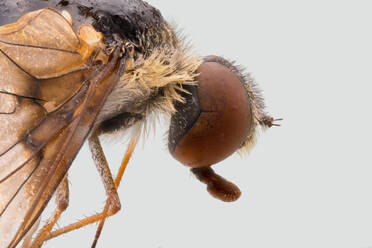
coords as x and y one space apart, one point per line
49 98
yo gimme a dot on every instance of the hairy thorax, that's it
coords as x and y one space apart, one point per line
150 83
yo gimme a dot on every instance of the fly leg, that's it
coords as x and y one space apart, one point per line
62 201
28 238
112 204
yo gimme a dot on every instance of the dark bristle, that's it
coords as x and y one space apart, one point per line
185 117
119 122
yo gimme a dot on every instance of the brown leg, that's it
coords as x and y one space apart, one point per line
62 201
118 178
113 202
105 173
110 208
28 238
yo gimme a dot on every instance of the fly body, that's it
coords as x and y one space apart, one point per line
73 70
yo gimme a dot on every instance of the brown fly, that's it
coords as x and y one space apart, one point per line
71 71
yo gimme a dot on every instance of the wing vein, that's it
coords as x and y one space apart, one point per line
94 96
40 47
15 63
55 112
21 186
82 68
27 97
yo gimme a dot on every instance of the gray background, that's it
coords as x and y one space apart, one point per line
306 184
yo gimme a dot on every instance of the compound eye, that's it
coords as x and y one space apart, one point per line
216 118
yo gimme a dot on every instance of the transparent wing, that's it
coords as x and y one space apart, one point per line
45 86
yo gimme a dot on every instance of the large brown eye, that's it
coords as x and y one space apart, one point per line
216 118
